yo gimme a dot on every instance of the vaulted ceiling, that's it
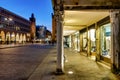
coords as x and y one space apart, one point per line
77 20
79 14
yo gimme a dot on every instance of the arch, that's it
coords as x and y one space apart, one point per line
8 37
2 34
17 38
20 38
24 38
13 37
2 37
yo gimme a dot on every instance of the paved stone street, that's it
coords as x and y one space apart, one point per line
38 62
19 63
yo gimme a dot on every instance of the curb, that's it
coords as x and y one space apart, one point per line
12 46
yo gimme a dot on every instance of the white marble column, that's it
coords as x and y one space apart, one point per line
60 47
115 39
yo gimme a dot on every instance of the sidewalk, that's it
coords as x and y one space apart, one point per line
79 66
2 46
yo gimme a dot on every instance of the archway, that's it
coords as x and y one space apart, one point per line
20 39
2 37
87 15
24 38
8 37
13 37
17 38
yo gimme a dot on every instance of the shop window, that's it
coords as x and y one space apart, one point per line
92 40
76 41
85 41
106 40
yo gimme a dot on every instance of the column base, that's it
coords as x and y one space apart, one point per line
59 72
114 69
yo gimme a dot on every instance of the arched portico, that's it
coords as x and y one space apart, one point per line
78 15
8 37
17 38
2 37
13 37
21 38
24 38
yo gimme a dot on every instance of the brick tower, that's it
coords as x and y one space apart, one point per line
33 27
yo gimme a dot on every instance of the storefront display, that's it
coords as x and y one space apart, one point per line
92 40
85 44
106 40
76 41
66 41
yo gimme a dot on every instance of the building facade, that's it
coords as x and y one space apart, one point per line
54 32
13 28
42 34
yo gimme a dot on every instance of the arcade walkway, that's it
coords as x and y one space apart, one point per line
78 66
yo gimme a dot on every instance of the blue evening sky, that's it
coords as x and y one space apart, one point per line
42 10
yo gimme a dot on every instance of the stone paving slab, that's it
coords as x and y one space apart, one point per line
86 69
82 67
45 71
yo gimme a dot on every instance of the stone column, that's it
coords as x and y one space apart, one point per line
97 32
60 49
81 42
88 42
115 40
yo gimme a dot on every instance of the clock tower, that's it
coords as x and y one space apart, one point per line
32 27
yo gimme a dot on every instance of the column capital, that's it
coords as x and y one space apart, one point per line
59 7
114 13
59 16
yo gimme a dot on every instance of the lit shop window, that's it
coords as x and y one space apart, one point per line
106 40
85 41
92 39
